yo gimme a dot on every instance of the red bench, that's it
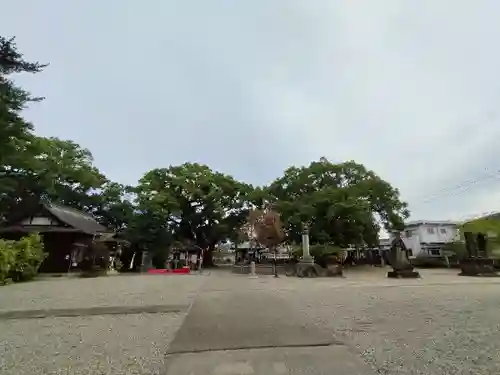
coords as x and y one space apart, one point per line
182 271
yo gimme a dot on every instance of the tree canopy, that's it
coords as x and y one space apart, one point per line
267 226
189 204
343 204
194 204
13 99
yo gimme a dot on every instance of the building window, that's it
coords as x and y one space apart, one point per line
443 230
430 230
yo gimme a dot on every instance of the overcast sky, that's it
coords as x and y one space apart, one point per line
409 88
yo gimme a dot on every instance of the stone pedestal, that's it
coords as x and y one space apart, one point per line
478 267
253 273
147 261
477 261
401 266
307 270
403 274
307 260
306 255
334 270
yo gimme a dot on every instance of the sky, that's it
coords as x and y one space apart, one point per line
408 88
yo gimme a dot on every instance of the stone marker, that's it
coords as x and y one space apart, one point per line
253 274
477 261
400 263
306 255
147 261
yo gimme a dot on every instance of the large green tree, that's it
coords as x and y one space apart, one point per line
66 171
13 99
343 204
194 204
34 167
112 204
15 131
52 169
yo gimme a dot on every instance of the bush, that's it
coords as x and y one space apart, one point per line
455 249
20 260
323 254
7 259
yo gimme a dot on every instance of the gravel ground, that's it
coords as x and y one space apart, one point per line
119 344
441 324
128 342
414 329
119 290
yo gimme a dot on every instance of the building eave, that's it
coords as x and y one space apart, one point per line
430 222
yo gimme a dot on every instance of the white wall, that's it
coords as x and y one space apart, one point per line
413 243
438 233
415 235
38 220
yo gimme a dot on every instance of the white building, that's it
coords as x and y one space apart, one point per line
427 238
385 243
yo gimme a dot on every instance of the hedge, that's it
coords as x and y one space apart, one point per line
20 260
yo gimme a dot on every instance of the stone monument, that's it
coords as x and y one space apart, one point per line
477 261
306 255
400 263
253 273
306 267
147 261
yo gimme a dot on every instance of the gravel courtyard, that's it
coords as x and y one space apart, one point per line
221 323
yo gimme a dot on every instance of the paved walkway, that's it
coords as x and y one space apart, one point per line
229 324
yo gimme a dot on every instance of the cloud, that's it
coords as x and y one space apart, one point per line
406 88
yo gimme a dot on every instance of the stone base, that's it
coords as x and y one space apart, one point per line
306 260
334 270
306 270
260 269
484 267
314 270
403 274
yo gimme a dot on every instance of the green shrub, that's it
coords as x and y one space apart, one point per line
20 260
7 259
323 254
456 248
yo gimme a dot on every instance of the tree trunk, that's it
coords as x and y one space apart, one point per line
275 263
208 260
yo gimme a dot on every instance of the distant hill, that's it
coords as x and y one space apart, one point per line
491 216
495 216
487 224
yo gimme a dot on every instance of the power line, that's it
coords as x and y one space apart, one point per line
460 185
482 118
461 188
465 187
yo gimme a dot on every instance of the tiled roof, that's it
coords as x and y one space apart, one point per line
75 218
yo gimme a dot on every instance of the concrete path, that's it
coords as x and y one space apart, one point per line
259 331
235 320
337 360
